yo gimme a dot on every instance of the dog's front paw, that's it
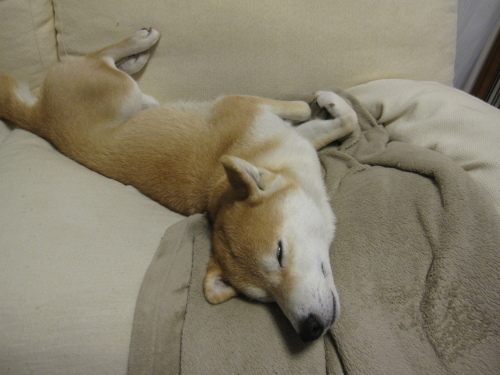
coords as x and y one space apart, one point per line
333 103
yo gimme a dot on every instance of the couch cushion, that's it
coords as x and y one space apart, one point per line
270 48
28 41
74 249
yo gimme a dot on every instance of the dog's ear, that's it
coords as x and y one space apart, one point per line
215 288
243 177
247 180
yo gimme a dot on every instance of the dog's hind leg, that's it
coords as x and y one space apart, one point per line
134 63
130 55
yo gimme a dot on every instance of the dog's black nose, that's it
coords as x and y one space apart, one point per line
310 328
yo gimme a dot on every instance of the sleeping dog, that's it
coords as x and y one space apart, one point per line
237 158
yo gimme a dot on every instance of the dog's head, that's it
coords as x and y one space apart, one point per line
271 242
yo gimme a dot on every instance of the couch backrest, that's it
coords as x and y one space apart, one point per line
27 39
274 48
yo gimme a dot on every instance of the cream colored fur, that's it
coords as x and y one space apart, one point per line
237 158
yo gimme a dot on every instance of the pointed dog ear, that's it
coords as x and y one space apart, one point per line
243 177
247 180
215 288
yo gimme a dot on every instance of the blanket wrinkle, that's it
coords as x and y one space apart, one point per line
415 261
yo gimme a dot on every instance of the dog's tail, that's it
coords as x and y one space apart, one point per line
17 105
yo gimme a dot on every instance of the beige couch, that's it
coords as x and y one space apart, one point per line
74 246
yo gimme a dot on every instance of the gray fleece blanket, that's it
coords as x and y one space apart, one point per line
415 259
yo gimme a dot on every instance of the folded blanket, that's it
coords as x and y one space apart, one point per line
415 261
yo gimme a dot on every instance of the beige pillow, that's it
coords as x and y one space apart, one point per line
278 49
28 39
443 119
74 249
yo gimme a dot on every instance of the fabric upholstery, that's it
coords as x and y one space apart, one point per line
74 248
28 41
270 48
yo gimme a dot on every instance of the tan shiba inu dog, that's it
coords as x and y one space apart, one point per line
237 158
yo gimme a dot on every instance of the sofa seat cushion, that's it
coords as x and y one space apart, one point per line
74 247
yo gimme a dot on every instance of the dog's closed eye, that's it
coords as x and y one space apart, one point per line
279 253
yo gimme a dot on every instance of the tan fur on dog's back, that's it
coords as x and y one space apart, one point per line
79 116
165 161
